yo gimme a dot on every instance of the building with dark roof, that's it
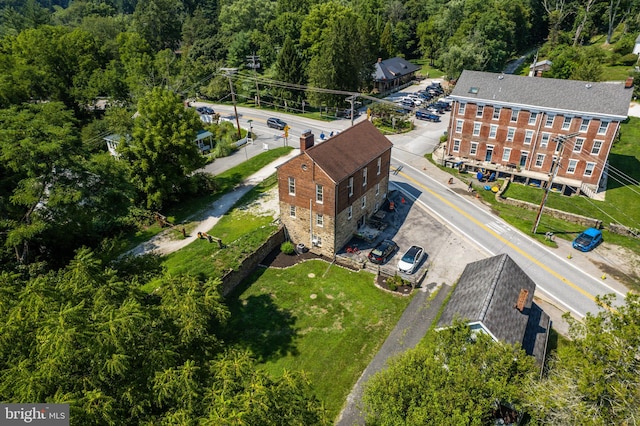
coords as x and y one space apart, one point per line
519 127
328 191
391 74
495 296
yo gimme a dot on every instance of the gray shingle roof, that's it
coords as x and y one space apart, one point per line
487 292
561 96
393 68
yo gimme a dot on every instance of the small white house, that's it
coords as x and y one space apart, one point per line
204 140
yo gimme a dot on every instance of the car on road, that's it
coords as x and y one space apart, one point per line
276 123
205 110
411 259
347 113
407 103
382 251
427 115
588 239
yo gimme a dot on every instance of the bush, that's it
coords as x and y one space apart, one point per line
287 247
628 60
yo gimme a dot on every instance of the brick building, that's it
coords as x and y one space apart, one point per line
517 127
332 188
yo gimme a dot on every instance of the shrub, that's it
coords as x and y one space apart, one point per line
628 60
392 285
287 247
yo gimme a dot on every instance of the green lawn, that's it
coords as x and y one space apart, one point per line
316 317
241 231
427 70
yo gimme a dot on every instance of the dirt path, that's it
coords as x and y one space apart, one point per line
166 242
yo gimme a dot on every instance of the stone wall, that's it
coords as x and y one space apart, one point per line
231 280
623 230
558 214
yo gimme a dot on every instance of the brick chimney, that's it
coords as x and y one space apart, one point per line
522 299
306 140
629 83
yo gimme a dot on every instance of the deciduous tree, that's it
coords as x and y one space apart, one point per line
162 152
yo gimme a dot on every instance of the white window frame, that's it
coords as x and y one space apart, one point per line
544 139
477 126
350 186
459 124
364 177
604 126
473 150
566 123
514 115
539 160
549 121
571 167
528 137
364 202
456 145
597 146
584 126
379 165
533 117
506 154
511 132
319 220
292 211
461 108
378 188
589 169
480 111
292 185
317 240
496 112
349 212
319 193
493 130
578 144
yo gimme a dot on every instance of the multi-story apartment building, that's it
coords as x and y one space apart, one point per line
328 191
519 127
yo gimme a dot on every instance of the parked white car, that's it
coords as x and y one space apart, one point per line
411 259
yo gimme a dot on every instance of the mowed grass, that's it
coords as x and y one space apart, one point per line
241 232
316 317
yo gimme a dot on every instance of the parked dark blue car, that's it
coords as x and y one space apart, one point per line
587 240
426 115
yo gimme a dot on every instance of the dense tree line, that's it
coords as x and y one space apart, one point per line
74 326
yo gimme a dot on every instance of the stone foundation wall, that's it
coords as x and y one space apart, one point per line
232 279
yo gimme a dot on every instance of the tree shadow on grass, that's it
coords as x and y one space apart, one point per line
259 325
627 164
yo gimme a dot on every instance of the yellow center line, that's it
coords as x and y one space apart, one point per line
499 237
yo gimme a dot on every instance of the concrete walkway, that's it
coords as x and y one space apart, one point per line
165 242
411 328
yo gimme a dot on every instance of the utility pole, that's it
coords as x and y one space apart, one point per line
560 140
229 72
255 64
351 99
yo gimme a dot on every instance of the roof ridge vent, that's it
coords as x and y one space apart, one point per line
588 85
501 76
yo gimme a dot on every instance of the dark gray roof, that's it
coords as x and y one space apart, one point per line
600 99
393 68
487 292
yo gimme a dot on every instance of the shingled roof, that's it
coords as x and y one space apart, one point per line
393 68
600 99
487 292
348 151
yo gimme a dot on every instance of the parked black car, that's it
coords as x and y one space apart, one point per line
382 251
276 123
